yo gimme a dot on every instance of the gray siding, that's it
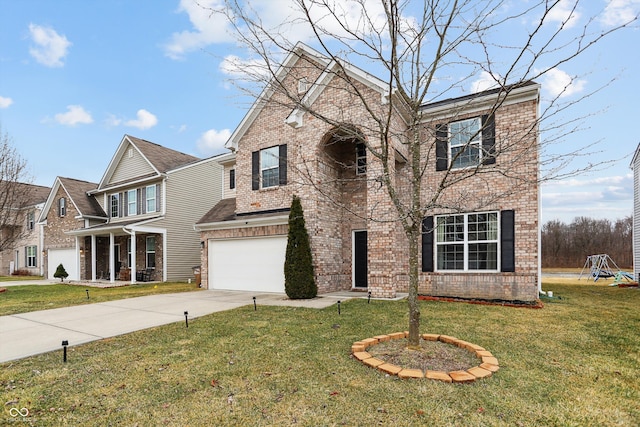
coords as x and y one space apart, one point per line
130 167
190 193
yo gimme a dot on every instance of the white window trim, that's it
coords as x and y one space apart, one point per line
361 170
34 257
276 167
116 197
465 243
31 220
62 207
149 199
477 142
132 201
147 251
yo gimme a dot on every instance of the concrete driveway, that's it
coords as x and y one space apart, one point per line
27 334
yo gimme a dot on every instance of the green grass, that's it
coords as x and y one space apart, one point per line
22 299
19 278
573 363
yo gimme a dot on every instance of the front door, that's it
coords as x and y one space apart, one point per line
360 259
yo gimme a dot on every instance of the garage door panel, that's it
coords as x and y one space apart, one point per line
66 257
248 264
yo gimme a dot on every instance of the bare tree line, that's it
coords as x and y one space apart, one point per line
568 245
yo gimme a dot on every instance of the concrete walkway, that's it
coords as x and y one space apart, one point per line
29 282
27 334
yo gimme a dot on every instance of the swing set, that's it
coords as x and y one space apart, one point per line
603 266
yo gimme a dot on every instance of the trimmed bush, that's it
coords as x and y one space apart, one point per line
299 281
61 273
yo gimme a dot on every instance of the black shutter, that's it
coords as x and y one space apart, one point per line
507 241
427 244
282 164
125 202
442 147
120 207
143 196
140 200
488 140
232 179
255 170
158 197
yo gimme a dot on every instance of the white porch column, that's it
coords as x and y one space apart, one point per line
133 257
78 258
112 261
93 257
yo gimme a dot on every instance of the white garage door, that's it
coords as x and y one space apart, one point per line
248 264
66 257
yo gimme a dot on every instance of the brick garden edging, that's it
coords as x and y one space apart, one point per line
488 366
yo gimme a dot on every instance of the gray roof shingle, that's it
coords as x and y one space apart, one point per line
162 158
77 191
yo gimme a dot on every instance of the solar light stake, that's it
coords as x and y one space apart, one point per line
255 307
87 291
369 299
186 318
338 306
65 343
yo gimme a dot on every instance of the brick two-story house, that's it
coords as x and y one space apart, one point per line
475 244
25 252
136 224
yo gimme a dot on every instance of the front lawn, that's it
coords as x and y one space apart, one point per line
19 278
22 299
573 363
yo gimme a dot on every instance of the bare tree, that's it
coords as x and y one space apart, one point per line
569 245
15 194
425 52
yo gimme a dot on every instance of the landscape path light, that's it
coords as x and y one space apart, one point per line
65 343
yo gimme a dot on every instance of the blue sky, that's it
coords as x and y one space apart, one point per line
75 76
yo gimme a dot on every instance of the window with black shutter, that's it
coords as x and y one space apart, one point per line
269 167
466 143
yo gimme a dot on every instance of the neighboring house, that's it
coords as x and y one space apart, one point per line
275 150
135 224
25 253
69 207
635 166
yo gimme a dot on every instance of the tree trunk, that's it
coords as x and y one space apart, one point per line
414 308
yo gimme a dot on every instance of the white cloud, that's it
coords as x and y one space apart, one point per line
237 67
5 102
50 47
603 180
209 24
144 120
112 121
564 12
75 115
212 141
558 83
596 197
619 12
484 82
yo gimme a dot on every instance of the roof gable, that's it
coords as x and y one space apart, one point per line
137 158
77 193
329 69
